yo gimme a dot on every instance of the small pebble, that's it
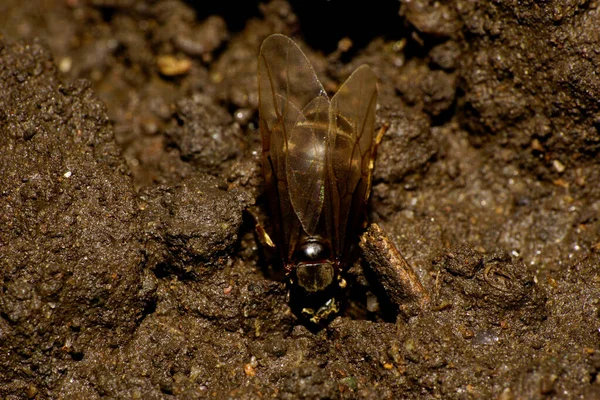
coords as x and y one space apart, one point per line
249 370
558 166
65 65
172 66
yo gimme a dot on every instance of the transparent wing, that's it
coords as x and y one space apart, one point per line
288 88
350 157
286 85
306 163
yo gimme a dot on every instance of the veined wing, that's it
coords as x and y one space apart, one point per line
286 85
291 102
350 157
307 147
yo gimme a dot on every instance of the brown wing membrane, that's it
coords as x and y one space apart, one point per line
306 163
287 85
349 163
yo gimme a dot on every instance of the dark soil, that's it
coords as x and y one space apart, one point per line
129 152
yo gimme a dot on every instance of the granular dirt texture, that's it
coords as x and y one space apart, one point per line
130 185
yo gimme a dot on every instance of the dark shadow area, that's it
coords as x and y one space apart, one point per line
365 298
236 13
324 23
268 259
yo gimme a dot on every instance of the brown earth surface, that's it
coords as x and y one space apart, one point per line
129 151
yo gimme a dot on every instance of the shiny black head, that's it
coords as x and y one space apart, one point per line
314 280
